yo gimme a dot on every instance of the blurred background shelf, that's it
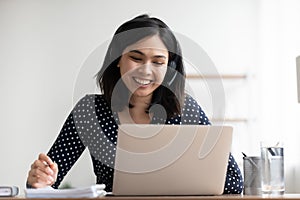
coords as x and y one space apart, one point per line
231 120
217 76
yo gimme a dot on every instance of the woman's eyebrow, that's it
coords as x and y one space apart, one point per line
137 51
141 53
160 56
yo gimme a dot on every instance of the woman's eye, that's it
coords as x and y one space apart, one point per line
159 63
135 58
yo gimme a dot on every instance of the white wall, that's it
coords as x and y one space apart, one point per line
44 44
279 109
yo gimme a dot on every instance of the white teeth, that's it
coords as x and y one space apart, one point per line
142 81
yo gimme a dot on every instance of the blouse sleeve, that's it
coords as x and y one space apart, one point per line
67 148
234 183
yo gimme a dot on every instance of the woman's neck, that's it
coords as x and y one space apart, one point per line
141 103
138 112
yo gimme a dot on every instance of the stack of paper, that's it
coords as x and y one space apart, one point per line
82 192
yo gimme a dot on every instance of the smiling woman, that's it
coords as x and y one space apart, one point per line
143 68
146 66
142 80
143 43
142 71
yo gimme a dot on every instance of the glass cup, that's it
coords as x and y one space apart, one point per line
272 171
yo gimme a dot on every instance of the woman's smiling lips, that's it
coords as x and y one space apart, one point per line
142 82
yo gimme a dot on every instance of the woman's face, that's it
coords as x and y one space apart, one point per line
143 65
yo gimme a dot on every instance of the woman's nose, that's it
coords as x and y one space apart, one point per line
146 69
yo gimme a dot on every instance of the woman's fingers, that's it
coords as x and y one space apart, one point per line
45 158
39 176
54 168
43 172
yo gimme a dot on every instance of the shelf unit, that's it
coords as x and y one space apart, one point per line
232 120
212 76
223 77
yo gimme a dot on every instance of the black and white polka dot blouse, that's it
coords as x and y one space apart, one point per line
94 125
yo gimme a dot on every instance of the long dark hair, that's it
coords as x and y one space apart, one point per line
170 94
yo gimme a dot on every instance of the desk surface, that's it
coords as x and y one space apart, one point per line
222 197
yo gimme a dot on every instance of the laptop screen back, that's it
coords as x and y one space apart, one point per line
171 159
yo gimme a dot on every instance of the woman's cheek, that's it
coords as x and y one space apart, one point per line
160 74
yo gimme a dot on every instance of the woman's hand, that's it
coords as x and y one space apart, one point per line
43 172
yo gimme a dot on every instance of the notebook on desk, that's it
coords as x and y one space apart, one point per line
171 159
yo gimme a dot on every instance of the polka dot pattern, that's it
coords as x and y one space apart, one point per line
66 149
93 125
234 183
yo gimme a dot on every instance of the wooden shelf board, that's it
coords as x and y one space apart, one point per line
221 76
235 120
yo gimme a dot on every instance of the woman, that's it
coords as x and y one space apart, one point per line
142 81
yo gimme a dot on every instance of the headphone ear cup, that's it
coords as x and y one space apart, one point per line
172 64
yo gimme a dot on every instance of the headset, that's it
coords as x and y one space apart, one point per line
172 72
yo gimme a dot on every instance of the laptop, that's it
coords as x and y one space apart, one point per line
171 159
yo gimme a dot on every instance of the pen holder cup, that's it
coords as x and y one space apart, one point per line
252 175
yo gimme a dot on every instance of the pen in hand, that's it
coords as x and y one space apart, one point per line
43 172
